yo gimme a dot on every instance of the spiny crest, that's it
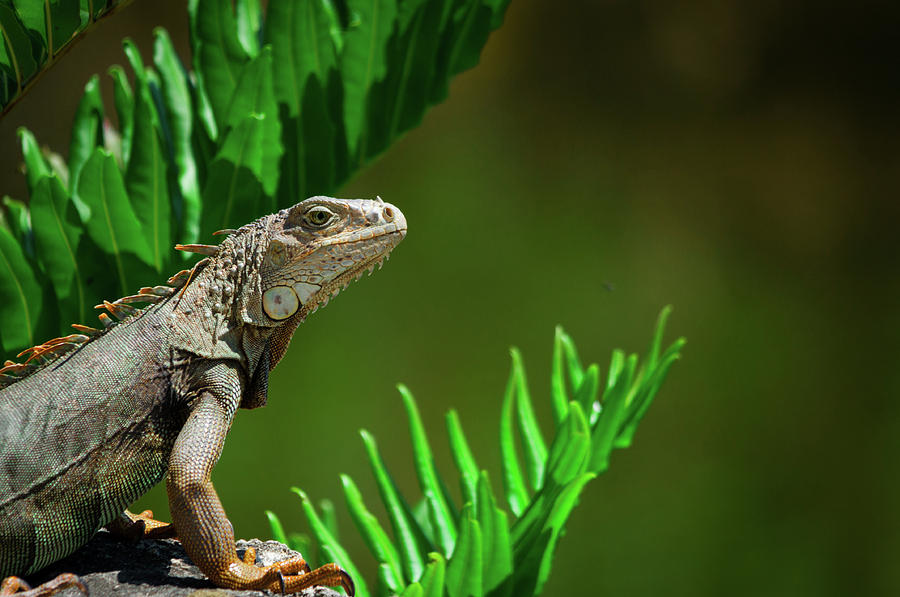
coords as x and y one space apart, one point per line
118 310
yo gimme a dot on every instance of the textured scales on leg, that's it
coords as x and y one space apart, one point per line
152 395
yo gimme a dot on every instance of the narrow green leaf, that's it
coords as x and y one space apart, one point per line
433 579
513 481
180 118
276 528
329 543
113 225
533 446
576 371
363 62
608 423
329 517
218 54
57 234
656 342
586 394
411 542
442 520
496 547
462 456
87 134
21 299
464 572
571 448
558 395
373 535
123 99
146 173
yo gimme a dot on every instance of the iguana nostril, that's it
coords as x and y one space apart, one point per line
388 214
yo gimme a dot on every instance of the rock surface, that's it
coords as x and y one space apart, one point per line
109 566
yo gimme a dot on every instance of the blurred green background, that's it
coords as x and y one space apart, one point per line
737 159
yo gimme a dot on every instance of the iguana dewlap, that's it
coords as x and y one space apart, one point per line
93 421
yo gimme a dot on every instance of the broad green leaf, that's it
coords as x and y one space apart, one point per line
233 194
533 446
123 98
513 481
277 530
21 299
146 173
65 18
462 456
35 166
247 16
329 543
363 62
439 512
219 56
113 225
464 571
374 536
307 59
254 96
23 51
18 220
496 546
57 233
87 134
411 542
180 119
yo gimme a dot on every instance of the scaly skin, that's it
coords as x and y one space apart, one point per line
155 395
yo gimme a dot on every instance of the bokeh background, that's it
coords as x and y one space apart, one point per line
737 159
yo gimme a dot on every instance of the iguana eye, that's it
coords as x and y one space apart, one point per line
318 216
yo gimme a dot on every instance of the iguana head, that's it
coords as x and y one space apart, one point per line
317 247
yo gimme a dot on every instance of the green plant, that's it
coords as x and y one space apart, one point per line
479 549
279 106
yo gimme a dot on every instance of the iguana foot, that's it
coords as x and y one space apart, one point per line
13 585
289 576
133 527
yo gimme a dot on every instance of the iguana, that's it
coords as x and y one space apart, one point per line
92 421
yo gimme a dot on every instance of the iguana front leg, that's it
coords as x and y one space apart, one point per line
203 528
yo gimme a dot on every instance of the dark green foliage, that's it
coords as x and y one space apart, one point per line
480 549
282 106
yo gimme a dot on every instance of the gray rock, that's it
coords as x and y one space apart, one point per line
109 566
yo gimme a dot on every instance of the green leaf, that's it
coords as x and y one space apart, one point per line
439 512
113 225
35 166
123 98
608 423
373 535
329 543
176 101
533 446
513 481
233 194
307 59
254 96
363 62
247 15
276 528
20 296
146 174
329 517
23 52
497 561
57 233
559 396
18 220
586 394
571 448
433 579
464 572
219 56
462 456
87 134
413 590
411 542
